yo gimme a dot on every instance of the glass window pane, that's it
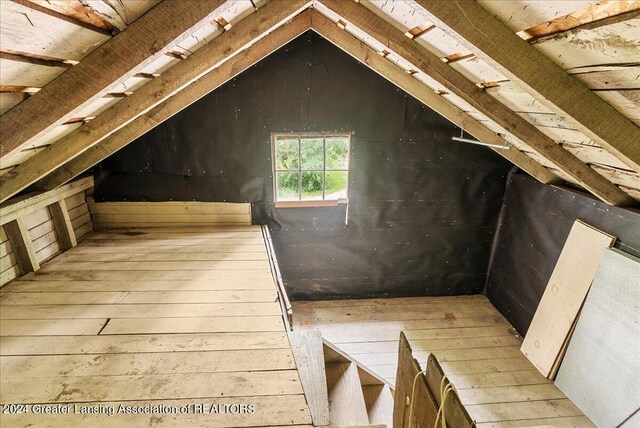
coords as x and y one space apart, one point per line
288 186
312 186
337 153
336 187
287 153
311 153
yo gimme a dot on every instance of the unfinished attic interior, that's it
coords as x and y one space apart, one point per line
253 213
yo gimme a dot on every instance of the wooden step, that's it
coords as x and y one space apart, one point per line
308 354
346 399
332 354
379 402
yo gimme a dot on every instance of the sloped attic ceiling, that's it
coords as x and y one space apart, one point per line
556 84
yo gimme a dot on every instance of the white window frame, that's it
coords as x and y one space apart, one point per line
308 203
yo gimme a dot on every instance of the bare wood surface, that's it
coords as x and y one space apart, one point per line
119 58
540 75
177 339
475 346
461 86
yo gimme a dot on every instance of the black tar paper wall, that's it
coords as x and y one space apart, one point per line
534 225
423 209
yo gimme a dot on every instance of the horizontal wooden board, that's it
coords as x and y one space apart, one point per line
272 411
155 310
490 380
171 207
350 303
432 345
149 275
511 394
50 327
36 218
193 325
97 246
152 236
77 256
27 286
9 274
556 422
123 297
443 355
523 411
74 201
54 38
600 45
146 387
24 73
146 364
168 214
390 330
69 345
164 265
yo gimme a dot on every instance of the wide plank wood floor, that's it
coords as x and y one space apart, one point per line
174 317
474 343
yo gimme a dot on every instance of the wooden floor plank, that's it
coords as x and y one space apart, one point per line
50 327
432 345
149 275
560 422
26 286
68 345
445 355
192 325
146 364
97 246
492 365
122 256
523 410
157 265
272 411
418 334
149 387
89 297
155 310
510 394
488 380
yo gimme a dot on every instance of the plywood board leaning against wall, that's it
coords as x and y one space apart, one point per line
601 364
568 286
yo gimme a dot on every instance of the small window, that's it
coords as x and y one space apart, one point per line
311 169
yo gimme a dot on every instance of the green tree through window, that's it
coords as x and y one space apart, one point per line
311 167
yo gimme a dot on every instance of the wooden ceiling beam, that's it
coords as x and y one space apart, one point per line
119 58
458 84
227 44
278 38
390 71
187 96
537 74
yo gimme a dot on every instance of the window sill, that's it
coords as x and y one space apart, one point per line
310 204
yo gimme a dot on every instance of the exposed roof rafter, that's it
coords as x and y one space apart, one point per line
488 37
458 84
307 20
118 58
189 95
227 44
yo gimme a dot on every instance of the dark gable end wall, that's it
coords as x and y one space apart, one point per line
423 209
534 225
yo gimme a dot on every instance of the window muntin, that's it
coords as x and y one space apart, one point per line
311 167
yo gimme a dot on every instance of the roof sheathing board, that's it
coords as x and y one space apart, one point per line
522 14
233 12
52 37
